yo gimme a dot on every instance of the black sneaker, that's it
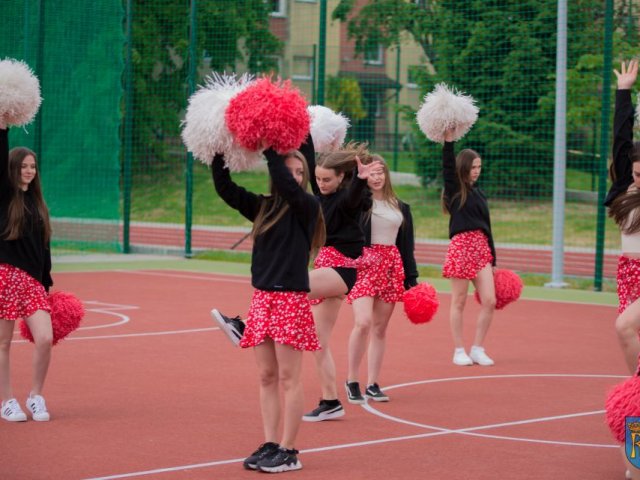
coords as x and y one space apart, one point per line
353 393
233 327
263 451
326 410
283 460
374 393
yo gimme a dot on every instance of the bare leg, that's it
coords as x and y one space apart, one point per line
325 283
290 366
325 315
627 327
363 318
459 291
40 325
269 396
485 286
381 314
6 334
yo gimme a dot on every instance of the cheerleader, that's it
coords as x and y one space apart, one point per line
623 200
386 269
287 225
471 254
25 273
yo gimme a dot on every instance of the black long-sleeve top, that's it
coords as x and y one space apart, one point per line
474 214
280 256
341 209
622 145
405 243
30 252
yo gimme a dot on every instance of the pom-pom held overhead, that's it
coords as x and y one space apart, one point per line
19 92
420 303
205 132
328 128
622 401
269 114
67 312
508 285
443 109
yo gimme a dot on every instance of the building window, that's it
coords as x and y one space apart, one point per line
373 54
278 8
303 68
379 106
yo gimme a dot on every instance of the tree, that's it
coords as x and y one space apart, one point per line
228 33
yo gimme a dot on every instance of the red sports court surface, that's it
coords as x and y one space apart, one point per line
150 388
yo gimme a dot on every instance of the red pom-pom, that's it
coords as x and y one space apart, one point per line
508 287
420 303
66 313
268 113
622 401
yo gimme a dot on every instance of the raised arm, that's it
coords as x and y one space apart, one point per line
4 156
309 153
247 203
301 203
623 120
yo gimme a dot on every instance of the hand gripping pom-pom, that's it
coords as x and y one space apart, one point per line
205 132
420 303
19 93
328 128
443 109
67 312
508 287
268 114
622 401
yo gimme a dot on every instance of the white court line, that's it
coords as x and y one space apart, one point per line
440 431
210 277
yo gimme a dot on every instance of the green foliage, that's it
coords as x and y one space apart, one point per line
344 95
228 32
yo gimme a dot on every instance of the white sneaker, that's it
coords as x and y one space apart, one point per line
12 412
38 408
478 356
461 358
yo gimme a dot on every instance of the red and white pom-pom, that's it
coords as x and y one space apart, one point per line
205 132
508 286
622 401
268 114
420 303
67 312
19 92
443 109
328 128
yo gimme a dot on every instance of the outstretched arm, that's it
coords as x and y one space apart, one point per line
623 120
247 203
4 157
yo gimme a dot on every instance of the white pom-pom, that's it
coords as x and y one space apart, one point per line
443 109
19 92
204 129
328 128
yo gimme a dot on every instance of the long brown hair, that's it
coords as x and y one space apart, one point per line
17 210
388 194
464 163
343 160
274 207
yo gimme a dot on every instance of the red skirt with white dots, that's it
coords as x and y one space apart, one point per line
285 317
468 253
380 274
21 295
628 276
330 257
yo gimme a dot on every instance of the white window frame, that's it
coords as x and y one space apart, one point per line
310 73
282 9
375 61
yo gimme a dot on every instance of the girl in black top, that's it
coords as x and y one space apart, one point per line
340 183
287 225
623 200
25 272
386 269
471 254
